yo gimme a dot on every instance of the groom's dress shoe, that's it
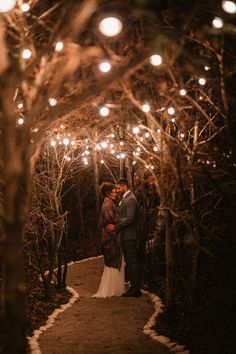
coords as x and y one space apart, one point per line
132 293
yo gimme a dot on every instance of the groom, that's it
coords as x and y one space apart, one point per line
128 215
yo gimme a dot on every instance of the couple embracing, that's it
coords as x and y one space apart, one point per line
118 227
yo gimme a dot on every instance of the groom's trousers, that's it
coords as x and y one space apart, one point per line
132 263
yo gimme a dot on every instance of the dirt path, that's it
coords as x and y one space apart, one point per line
100 326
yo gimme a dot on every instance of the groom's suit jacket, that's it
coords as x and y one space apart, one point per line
128 217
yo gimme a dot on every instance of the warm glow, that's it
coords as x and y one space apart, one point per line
53 143
156 60
104 144
207 68
59 46
155 148
217 23
25 7
26 54
104 111
52 101
105 67
7 5
20 121
122 155
146 108
202 81
20 105
110 26
182 92
147 135
229 7
135 130
66 141
173 120
171 110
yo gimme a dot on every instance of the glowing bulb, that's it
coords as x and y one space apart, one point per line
7 5
110 26
217 23
102 161
52 101
135 130
156 60
59 46
182 135
26 54
104 144
104 111
53 143
158 130
155 148
25 7
182 92
146 107
172 120
66 141
202 81
122 155
207 68
20 105
171 110
105 66
147 135
20 121
229 7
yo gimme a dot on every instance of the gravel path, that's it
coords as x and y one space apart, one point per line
100 326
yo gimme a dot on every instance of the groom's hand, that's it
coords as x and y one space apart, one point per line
110 227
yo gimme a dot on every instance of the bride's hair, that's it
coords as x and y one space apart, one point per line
106 188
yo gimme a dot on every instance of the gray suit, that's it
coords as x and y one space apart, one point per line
127 226
128 217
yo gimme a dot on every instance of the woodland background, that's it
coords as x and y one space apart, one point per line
178 153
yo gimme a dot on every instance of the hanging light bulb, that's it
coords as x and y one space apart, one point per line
146 108
207 68
105 66
26 54
25 7
52 101
59 46
20 105
7 5
66 141
156 60
104 144
110 26
104 111
217 23
229 7
20 121
182 92
135 130
122 155
53 143
171 110
202 81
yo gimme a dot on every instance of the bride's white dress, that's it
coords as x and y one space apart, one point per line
112 282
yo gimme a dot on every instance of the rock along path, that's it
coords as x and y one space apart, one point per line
100 326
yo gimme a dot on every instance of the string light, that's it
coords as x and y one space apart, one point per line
104 144
59 46
53 143
217 23
25 7
202 81
207 68
182 92
26 54
146 108
229 7
7 5
136 130
104 111
110 26
52 101
105 66
122 155
66 141
155 148
172 120
20 121
101 161
156 60
20 105
171 110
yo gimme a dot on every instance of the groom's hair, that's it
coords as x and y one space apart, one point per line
123 181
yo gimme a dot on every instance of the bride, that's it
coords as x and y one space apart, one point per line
113 277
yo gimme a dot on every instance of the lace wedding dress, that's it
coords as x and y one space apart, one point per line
112 282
